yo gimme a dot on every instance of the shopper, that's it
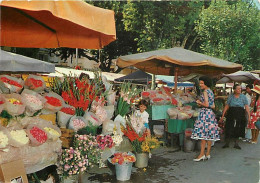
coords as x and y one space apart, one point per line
248 133
255 115
236 109
206 126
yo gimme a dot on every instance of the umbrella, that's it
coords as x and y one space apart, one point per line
52 24
11 62
138 77
240 76
165 62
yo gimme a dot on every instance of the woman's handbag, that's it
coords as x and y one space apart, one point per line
257 124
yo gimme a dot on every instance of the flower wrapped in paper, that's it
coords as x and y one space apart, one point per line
36 135
64 115
4 140
9 84
76 123
33 101
18 137
14 105
89 116
54 102
35 83
105 141
2 103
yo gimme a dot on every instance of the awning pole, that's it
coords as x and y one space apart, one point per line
153 82
77 53
176 69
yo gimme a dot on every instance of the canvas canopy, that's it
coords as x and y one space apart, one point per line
240 76
138 77
185 62
11 62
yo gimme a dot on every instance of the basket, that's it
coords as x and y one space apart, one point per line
66 137
49 117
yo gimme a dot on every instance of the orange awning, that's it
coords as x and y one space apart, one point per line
52 24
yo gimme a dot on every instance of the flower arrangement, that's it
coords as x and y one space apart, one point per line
71 162
88 146
117 138
10 82
53 101
20 136
78 124
33 83
137 122
15 101
149 144
68 110
38 134
33 102
127 96
135 138
123 158
105 141
3 140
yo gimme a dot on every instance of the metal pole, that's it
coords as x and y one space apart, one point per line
153 82
77 53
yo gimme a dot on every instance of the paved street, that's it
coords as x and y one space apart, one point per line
168 166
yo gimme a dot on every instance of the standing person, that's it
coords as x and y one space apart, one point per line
255 115
236 107
206 126
143 104
249 88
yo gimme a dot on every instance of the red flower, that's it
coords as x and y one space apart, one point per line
38 134
11 82
145 94
53 101
1 102
34 83
68 110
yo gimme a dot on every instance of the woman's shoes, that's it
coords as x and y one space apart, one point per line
208 157
199 159
253 142
236 146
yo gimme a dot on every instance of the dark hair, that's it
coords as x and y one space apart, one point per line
143 102
206 80
235 86
83 75
257 97
249 86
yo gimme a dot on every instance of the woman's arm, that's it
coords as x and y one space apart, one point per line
206 101
224 112
248 112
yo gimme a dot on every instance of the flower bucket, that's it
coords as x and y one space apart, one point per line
123 172
189 145
141 160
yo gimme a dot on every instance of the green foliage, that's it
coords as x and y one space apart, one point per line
230 32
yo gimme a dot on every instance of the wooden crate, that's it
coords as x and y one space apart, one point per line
66 137
49 117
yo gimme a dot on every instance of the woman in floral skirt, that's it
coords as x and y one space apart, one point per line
206 126
255 115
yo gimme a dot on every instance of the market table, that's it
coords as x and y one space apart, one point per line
178 126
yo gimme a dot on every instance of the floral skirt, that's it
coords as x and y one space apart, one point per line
206 126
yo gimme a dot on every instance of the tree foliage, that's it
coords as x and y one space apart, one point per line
231 32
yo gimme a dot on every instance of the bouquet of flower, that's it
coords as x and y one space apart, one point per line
54 102
149 144
135 138
76 123
36 134
105 141
71 162
9 84
14 105
127 96
88 147
122 158
117 137
35 83
4 141
64 115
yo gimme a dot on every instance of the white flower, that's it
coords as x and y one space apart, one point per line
3 140
20 136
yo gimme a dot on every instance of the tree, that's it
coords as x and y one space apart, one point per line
162 24
231 32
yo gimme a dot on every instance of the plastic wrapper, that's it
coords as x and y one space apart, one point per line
108 127
110 111
18 136
33 139
101 113
107 152
54 102
34 158
111 98
12 107
33 101
90 116
120 119
9 84
173 113
35 83
63 118
2 103
166 91
77 122
145 94
158 101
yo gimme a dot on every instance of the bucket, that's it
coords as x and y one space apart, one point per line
141 160
188 145
188 132
123 172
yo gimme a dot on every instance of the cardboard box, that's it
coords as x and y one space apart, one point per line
13 171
